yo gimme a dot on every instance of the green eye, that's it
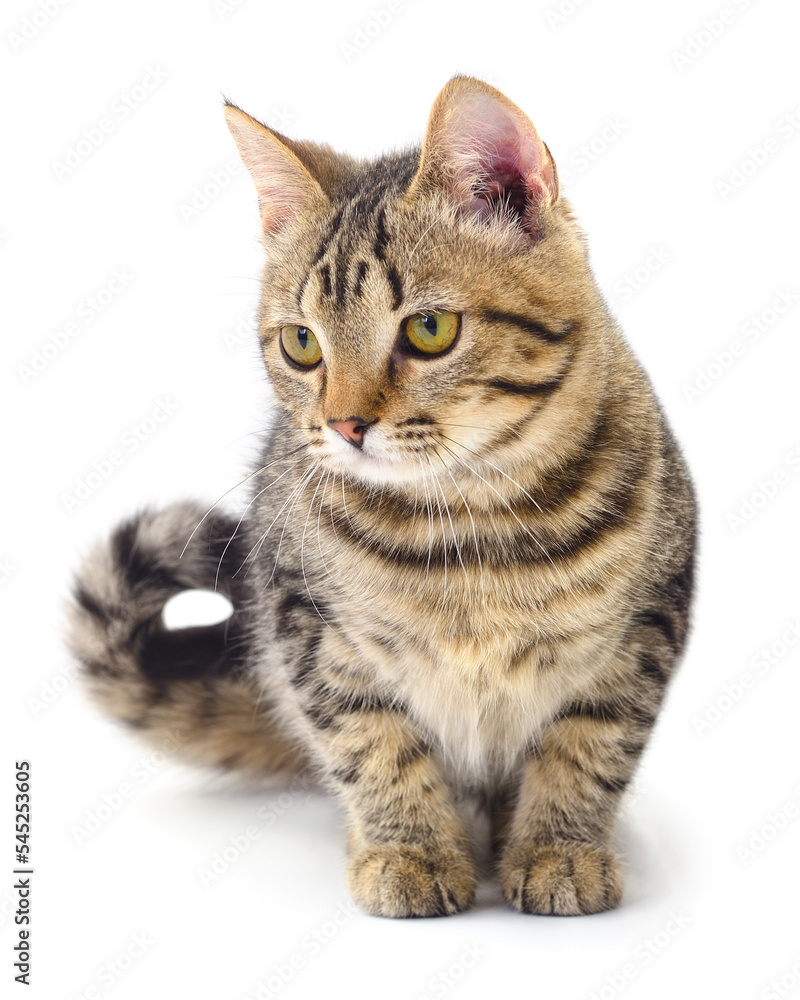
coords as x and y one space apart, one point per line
431 332
301 345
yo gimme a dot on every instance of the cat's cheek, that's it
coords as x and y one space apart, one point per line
296 393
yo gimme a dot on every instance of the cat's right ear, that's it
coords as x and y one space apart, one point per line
285 187
486 155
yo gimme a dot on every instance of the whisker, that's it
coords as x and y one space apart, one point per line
513 513
439 490
447 511
497 469
258 472
333 522
430 520
471 427
469 515
295 497
319 520
344 504
244 514
303 546
257 547
410 256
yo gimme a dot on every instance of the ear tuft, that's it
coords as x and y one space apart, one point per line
285 187
485 152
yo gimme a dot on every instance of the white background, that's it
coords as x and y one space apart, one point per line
669 109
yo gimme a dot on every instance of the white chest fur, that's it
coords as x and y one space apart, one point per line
480 706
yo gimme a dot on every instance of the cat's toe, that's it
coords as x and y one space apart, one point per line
563 879
403 881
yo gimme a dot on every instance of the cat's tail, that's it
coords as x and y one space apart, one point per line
190 691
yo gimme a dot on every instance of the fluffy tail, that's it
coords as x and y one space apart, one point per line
192 690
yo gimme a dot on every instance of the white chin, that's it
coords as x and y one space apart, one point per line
380 470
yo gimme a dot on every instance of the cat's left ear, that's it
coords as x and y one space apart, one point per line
285 187
484 151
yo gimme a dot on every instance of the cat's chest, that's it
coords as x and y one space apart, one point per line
483 697
484 704
477 653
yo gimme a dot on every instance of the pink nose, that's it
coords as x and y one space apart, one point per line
352 429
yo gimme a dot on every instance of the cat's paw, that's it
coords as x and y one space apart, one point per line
562 879
400 881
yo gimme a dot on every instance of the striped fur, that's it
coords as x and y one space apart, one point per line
489 594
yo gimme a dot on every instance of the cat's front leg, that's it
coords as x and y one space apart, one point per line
409 851
556 856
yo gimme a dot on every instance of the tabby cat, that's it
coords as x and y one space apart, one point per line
465 569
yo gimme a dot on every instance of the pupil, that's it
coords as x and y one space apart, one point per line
302 337
429 322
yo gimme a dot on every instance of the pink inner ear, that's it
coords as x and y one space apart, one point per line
494 151
285 187
280 199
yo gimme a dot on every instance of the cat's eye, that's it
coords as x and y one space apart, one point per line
431 332
301 346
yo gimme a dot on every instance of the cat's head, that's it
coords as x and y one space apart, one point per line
429 309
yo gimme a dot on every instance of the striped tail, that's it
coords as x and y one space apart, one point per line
194 688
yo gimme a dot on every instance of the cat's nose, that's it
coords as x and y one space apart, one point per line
352 429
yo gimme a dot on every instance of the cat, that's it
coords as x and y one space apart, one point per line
465 569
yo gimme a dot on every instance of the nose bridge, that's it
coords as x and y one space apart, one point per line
351 391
